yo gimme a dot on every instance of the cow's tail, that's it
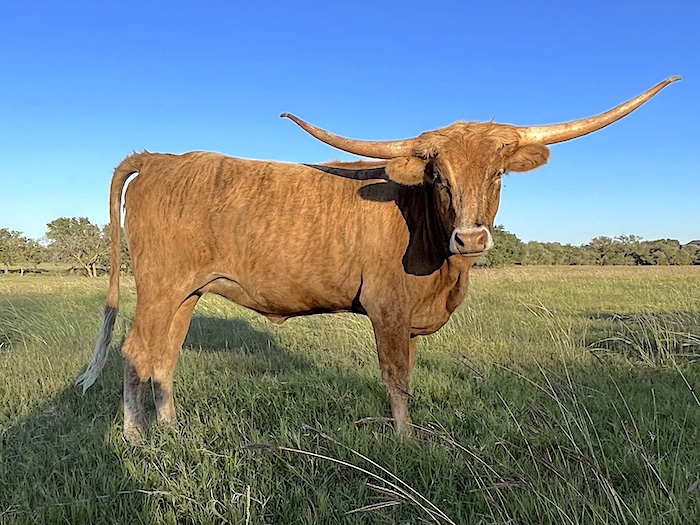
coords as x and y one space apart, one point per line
128 167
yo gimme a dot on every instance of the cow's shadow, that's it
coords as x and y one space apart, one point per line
59 463
294 380
64 461
215 334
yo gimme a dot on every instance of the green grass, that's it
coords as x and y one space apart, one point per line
553 395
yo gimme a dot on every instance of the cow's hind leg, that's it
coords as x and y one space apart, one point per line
147 339
164 363
134 415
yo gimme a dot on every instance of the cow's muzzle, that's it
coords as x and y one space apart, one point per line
471 241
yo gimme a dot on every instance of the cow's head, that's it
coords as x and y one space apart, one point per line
465 163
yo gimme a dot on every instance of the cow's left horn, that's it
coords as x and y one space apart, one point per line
385 149
570 130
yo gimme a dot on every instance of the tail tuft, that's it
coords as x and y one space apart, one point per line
99 357
126 169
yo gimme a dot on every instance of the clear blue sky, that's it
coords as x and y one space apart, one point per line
83 84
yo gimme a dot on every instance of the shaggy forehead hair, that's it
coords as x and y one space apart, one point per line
484 144
472 138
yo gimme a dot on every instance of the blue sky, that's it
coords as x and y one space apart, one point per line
83 84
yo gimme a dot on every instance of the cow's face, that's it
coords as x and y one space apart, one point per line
465 162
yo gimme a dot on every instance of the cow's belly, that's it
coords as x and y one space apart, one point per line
280 300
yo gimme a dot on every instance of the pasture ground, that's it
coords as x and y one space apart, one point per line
559 395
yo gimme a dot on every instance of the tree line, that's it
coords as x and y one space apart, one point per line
74 242
83 246
624 250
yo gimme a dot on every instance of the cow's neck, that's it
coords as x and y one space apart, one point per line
428 247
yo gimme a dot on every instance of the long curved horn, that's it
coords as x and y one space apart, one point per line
386 149
555 133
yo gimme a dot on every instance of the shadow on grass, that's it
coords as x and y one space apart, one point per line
61 465
236 337
65 462
216 334
272 384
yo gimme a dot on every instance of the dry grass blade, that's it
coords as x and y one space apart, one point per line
411 495
374 506
400 487
506 484
377 419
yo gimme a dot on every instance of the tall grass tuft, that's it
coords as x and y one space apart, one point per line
654 337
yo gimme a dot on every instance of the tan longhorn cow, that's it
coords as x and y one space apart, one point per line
393 240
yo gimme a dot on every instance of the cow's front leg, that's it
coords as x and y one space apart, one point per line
395 350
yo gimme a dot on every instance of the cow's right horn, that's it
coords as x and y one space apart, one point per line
555 133
379 149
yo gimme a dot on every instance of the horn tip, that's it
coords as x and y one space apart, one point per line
674 78
285 115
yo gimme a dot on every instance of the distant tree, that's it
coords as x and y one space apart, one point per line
659 252
631 249
33 254
507 249
606 251
555 253
685 256
76 240
696 254
665 251
537 253
574 255
9 247
17 250
621 250
689 254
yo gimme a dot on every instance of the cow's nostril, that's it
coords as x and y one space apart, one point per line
459 241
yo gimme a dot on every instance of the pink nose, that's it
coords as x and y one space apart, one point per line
471 241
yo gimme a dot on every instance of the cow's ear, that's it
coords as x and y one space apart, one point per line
406 170
526 158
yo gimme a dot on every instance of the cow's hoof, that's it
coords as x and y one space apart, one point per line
403 428
134 434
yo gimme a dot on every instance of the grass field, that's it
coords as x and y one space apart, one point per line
554 395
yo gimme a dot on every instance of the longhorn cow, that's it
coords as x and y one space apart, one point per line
392 239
